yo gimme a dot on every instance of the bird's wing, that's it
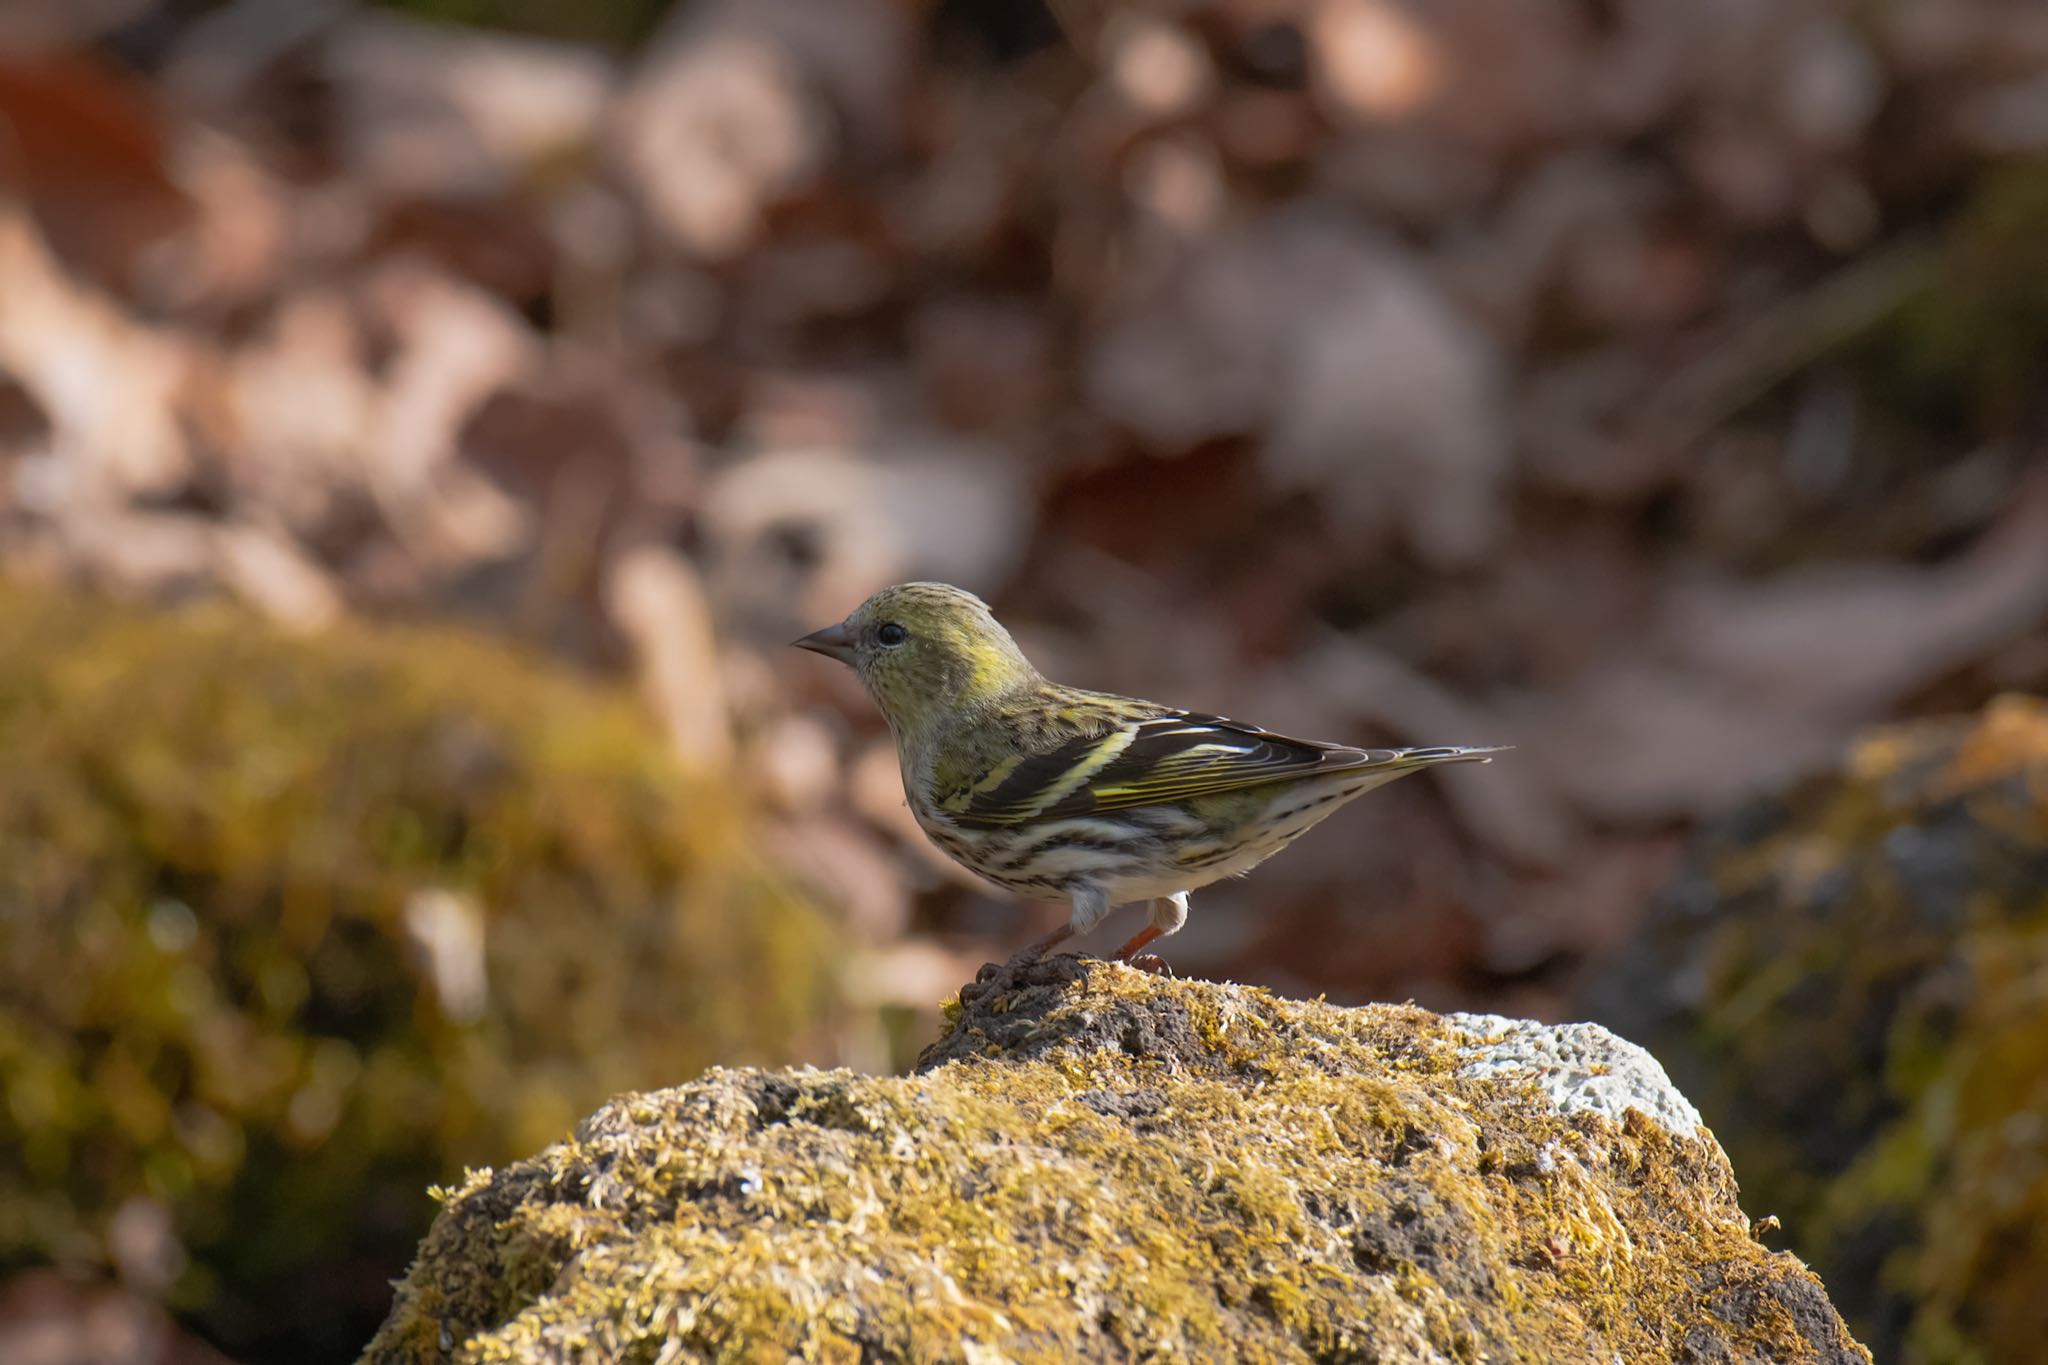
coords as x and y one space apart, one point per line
1171 757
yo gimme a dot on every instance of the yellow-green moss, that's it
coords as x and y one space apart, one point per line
209 833
1097 1164
1870 1034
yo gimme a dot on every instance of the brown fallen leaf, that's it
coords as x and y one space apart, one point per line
657 601
272 572
49 1318
455 345
799 536
69 347
852 870
1368 387
1843 641
737 104
85 150
444 111
1746 685
1507 804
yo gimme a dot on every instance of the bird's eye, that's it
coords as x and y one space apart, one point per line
891 634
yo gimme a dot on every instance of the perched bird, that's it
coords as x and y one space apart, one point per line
1055 792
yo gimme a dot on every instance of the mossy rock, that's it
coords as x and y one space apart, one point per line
1098 1164
291 927
1849 978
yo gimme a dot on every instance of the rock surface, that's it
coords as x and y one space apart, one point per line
1096 1164
1892 918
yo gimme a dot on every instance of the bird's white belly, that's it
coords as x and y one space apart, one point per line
1293 813
1154 883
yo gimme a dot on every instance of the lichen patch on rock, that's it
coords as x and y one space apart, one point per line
1580 1067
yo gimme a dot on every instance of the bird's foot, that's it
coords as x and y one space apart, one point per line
1025 956
1009 966
1150 962
1021 960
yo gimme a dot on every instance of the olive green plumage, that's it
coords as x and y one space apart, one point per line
1054 791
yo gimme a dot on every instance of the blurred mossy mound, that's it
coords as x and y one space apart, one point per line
1852 981
292 927
1097 1164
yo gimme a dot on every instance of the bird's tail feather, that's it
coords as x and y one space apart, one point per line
1448 753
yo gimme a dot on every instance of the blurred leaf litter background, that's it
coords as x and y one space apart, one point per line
422 426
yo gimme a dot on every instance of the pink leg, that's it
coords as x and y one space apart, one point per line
1138 940
1169 913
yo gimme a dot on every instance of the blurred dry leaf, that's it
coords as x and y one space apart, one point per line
1201 352
1843 641
658 603
236 246
270 570
1374 60
875 785
216 60
143 1243
1181 182
737 103
817 530
713 133
439 111
796 763
446 932
163 553
1155 65
1640 743
2010 119
1748 685
1507 805
85 148
71 348
1525 75
48 1318
851 871
913 973
1589 906
455 346
988 365
296 405
1379 396
1830 86
1394 410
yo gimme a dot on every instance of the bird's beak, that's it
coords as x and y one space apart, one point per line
835 642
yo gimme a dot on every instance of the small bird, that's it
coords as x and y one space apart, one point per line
1056 792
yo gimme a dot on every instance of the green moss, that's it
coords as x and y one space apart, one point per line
1878 938
210 834
1097 1164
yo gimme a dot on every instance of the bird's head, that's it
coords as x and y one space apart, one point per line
925 651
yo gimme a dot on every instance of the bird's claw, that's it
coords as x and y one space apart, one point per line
1150 962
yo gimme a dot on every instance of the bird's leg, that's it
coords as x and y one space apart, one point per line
1137 941
1090 905
1169 913
1144 962
1039 947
